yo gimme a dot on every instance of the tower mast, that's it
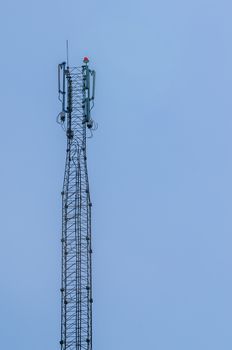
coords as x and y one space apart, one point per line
76 87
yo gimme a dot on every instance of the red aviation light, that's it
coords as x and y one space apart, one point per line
86 60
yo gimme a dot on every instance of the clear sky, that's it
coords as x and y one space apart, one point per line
160 169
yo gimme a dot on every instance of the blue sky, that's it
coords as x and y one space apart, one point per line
160 171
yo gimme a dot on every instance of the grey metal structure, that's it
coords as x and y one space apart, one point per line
76 87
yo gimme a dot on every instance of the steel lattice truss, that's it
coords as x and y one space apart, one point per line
76 289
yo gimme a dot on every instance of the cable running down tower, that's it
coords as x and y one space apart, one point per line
76 86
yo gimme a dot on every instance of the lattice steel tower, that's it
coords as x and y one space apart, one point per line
76 87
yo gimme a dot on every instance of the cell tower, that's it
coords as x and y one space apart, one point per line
76 86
